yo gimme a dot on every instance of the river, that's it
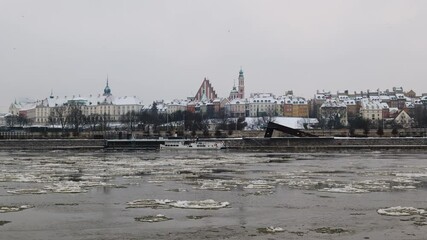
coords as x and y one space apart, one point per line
212 195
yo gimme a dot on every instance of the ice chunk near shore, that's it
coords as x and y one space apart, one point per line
401 211
6 209
204 204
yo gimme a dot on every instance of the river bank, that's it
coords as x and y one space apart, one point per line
284 143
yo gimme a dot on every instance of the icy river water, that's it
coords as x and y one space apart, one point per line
212 195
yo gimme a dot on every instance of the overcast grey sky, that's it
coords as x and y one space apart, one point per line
163 49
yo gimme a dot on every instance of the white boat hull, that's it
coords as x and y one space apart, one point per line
193 145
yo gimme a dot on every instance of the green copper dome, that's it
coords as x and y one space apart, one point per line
107 90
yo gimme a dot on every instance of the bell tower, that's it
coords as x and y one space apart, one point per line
241 84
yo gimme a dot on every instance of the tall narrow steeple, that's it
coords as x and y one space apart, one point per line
107 90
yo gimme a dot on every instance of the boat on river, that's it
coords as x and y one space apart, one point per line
193 145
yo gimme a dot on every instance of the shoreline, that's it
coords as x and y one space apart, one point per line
255 144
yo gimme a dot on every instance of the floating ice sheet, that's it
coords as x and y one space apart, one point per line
5 209
166 203
270 229
27 191
66 187
204 204
401 211
345 189
152 219
149 203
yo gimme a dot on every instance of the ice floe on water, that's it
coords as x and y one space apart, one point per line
329 230
270 229
66 187
166 203
176 190
150 203
204 204
152 219
345 189
197 217
401 211
3 222
258 184
217 184
76 187
6 209
27 191
18 177
412 175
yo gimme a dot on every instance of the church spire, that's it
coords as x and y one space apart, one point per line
107 90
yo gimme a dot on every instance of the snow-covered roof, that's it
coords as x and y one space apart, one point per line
417 101
127 101
374 98
374 105
262 95
384 97
292 122
320 96
91 100
349 102
262 100
177 102
400 96
333 103
28 107
393 110
409 105
343 97
237 101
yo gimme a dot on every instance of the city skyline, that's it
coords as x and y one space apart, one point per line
165 49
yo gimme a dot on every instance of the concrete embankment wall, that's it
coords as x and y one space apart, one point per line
328 143
289 143
51 144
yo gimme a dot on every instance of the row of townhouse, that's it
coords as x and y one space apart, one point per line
258 104
375 106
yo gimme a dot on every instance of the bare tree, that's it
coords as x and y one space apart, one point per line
130 119
11 120
58 116
75 117
104 121
94 120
